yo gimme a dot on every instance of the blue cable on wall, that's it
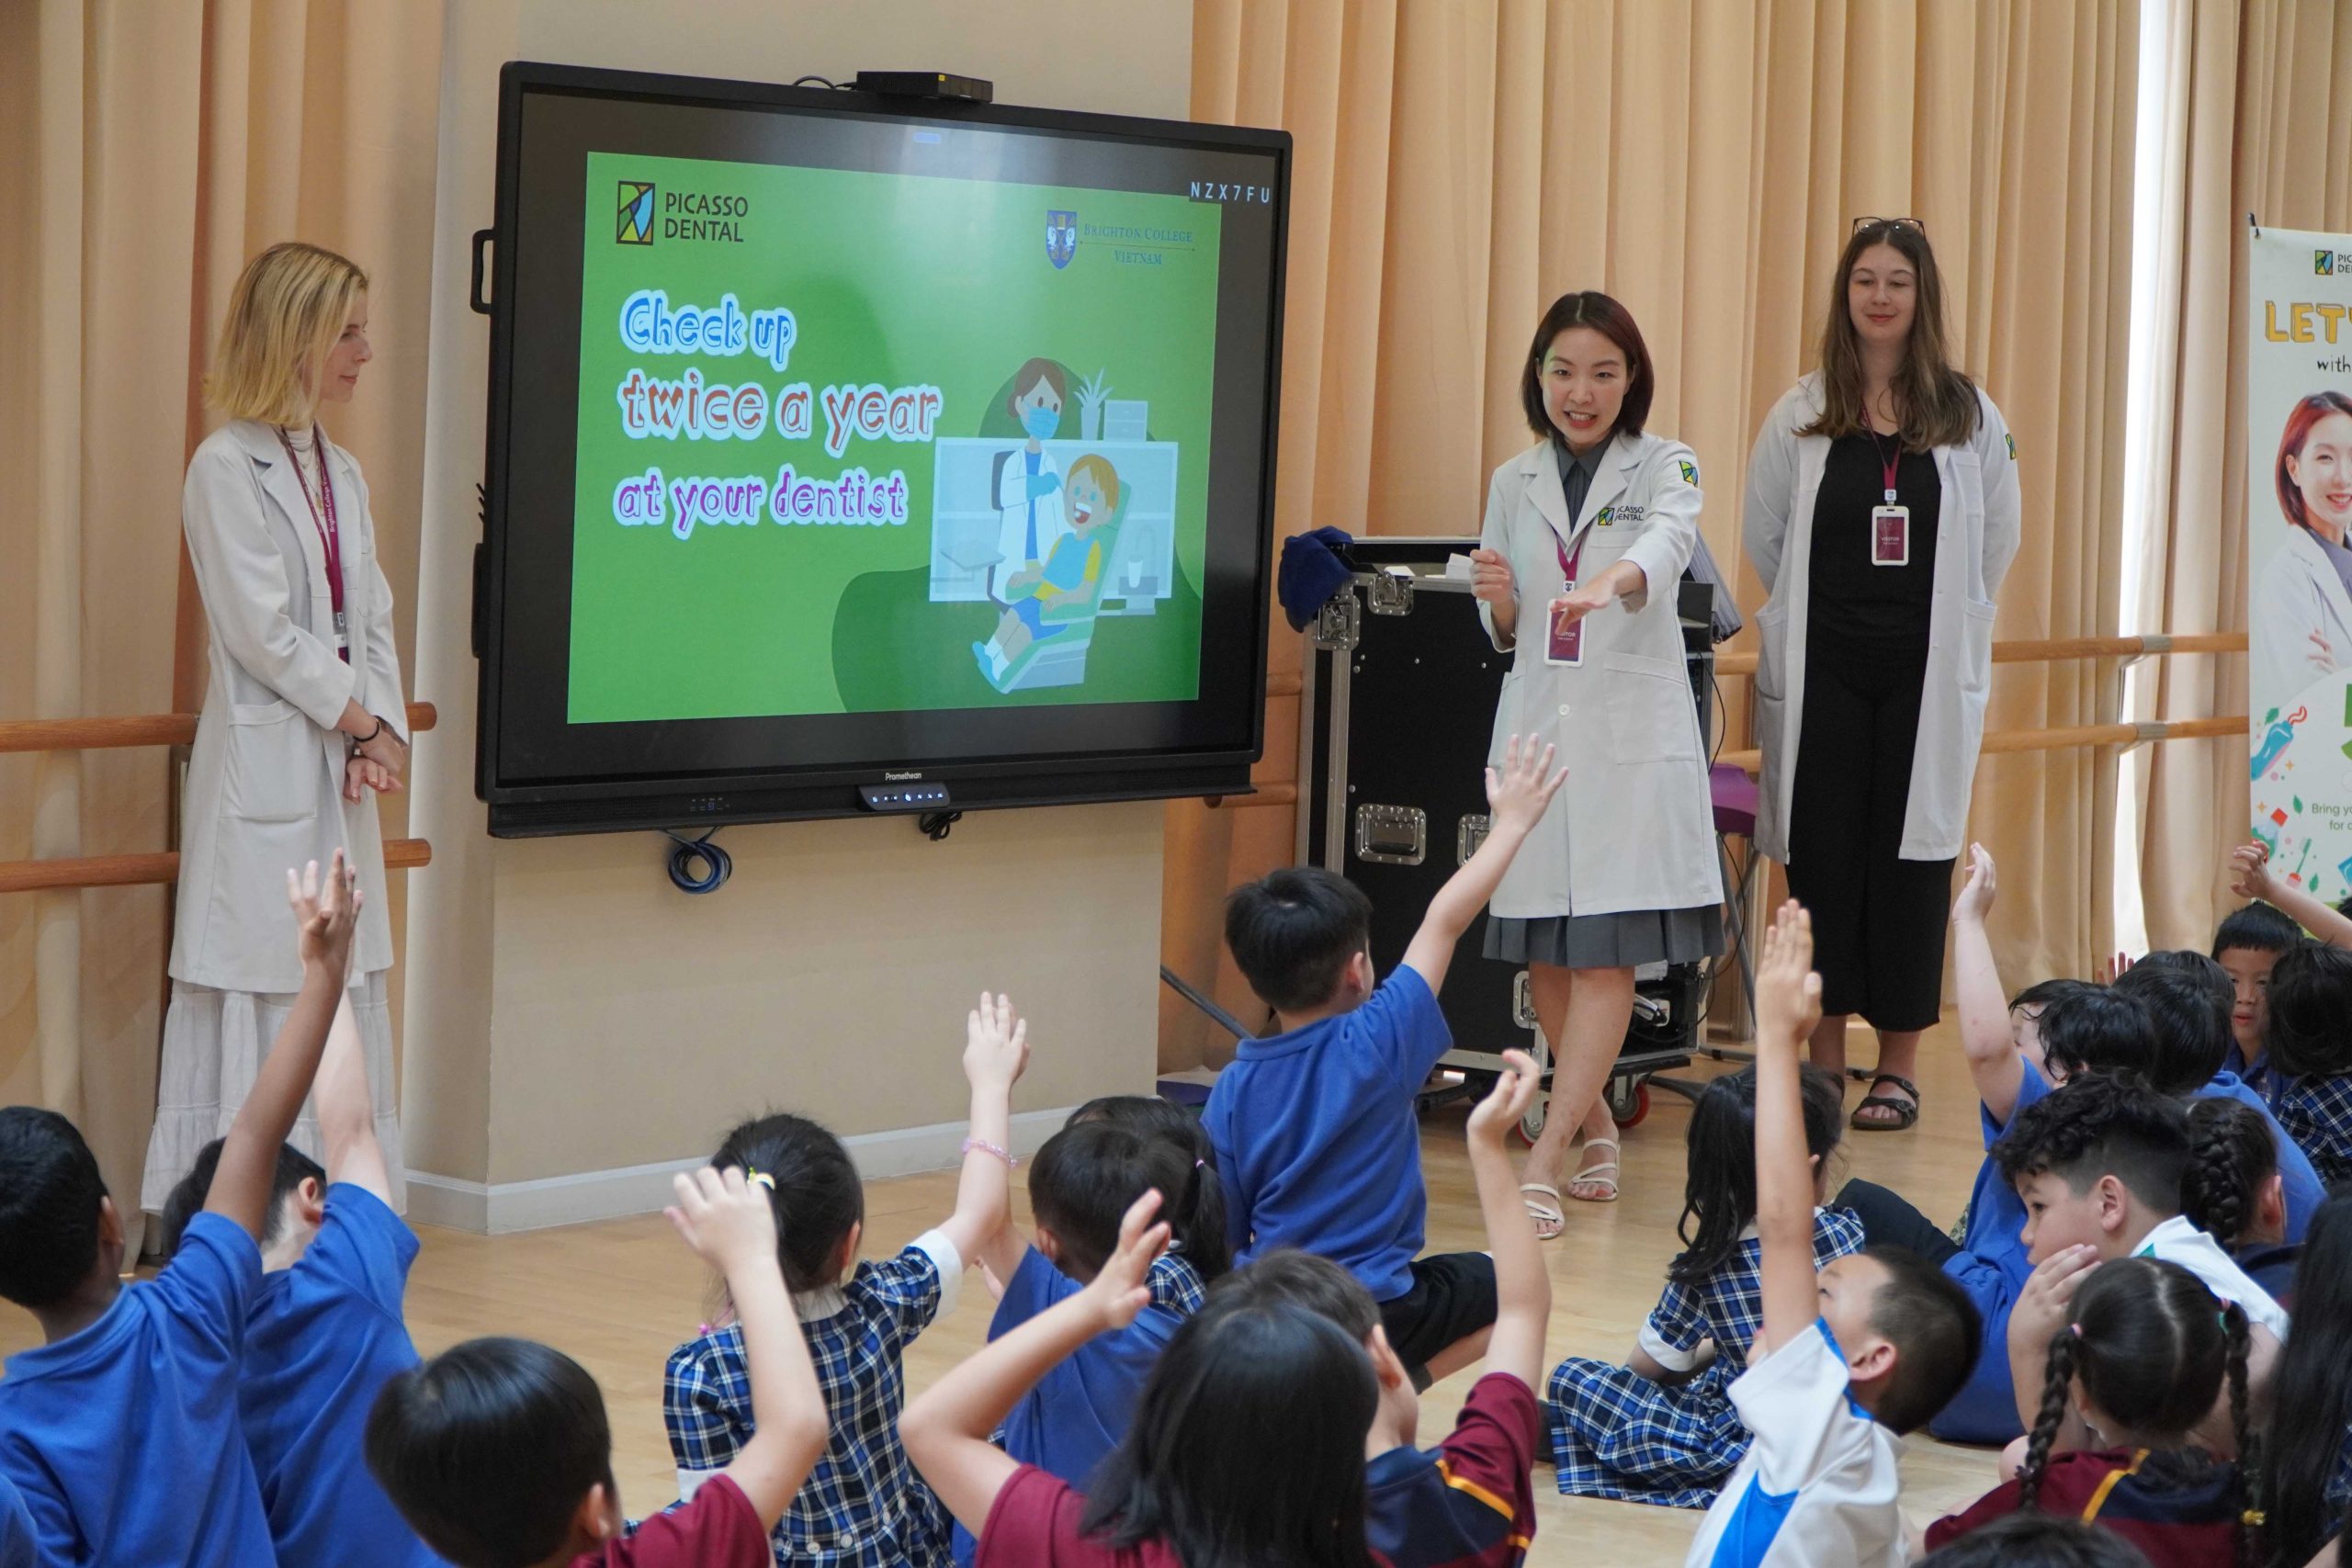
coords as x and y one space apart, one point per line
715 864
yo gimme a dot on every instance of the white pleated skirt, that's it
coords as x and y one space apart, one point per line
214 1043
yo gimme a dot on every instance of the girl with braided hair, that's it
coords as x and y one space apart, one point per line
2142 1363
2235 1192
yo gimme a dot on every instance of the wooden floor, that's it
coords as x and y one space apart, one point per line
619 1294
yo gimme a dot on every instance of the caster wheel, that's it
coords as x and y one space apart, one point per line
1530 1126
1629 1106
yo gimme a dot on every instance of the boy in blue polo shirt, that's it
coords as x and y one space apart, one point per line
325 1332
1315 1132
18 1549
122 1430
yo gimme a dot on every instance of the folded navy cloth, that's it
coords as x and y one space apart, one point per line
1315 566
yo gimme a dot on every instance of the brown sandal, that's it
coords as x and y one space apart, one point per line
1906 1110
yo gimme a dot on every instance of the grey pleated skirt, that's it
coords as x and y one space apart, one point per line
1623 941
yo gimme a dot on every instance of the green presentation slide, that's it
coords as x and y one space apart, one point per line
861 443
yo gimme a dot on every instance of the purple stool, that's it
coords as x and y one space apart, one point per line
1735 802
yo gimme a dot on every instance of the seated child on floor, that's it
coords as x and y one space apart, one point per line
1850 1355
2036 1540
2309 1037
864 1506
1470 1502
1660 1428
1247 1446
1080 1185
2232 1191
498 1453
1315 1129
121 1431
2307 1451
2248 944
2014 1051
2098 1166
2188 1002
325 1331
2139 1356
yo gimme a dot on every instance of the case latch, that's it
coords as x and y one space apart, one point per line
1390 590
1339 625
1523 1000
1472 833
1392 835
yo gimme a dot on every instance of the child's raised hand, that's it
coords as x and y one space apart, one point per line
1121 1287
2250 876
1518 793
328 916
1975 900
726 1218
996 1043
1788 993
1515 1089
2046 1305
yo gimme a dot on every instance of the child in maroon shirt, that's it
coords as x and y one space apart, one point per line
498 1454
2140 1351
1249 1440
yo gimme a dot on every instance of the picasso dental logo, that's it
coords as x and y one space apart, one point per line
2324 264
635 213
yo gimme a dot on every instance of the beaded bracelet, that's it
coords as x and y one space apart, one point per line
988 1148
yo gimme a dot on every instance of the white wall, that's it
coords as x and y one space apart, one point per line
576 1028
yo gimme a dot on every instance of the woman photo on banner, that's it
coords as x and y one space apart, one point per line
1882 514
1587 535
305 719
2303 613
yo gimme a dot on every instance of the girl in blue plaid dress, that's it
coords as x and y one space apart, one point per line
1662 1429
863 1506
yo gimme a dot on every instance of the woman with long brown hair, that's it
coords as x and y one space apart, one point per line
1882 514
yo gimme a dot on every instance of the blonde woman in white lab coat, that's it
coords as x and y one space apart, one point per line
1882 515
1587 535
305 719
2302 621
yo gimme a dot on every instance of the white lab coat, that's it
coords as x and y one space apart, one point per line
1012 531
264 783
2301 593
1632 829
1977 528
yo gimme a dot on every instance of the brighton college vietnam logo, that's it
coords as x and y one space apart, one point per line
1061 237
635 214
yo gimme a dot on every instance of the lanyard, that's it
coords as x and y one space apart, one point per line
322 518
1887 466
1567 562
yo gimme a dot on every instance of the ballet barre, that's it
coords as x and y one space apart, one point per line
158 866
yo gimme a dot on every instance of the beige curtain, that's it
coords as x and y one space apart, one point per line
1461 163
2263 124
155 144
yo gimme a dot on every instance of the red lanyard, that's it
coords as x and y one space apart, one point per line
1567 562
322 518
1887 466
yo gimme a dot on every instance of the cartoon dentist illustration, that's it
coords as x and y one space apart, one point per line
1029 484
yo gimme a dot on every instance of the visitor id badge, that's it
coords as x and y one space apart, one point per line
1564 645
1890 535
342 631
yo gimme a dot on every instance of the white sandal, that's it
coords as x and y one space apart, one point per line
1603 1175
1545 1215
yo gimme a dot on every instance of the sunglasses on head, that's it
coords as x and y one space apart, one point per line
1862 223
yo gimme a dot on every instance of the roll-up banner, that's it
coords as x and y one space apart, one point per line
2298 524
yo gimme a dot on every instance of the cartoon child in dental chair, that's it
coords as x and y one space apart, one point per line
1042 638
